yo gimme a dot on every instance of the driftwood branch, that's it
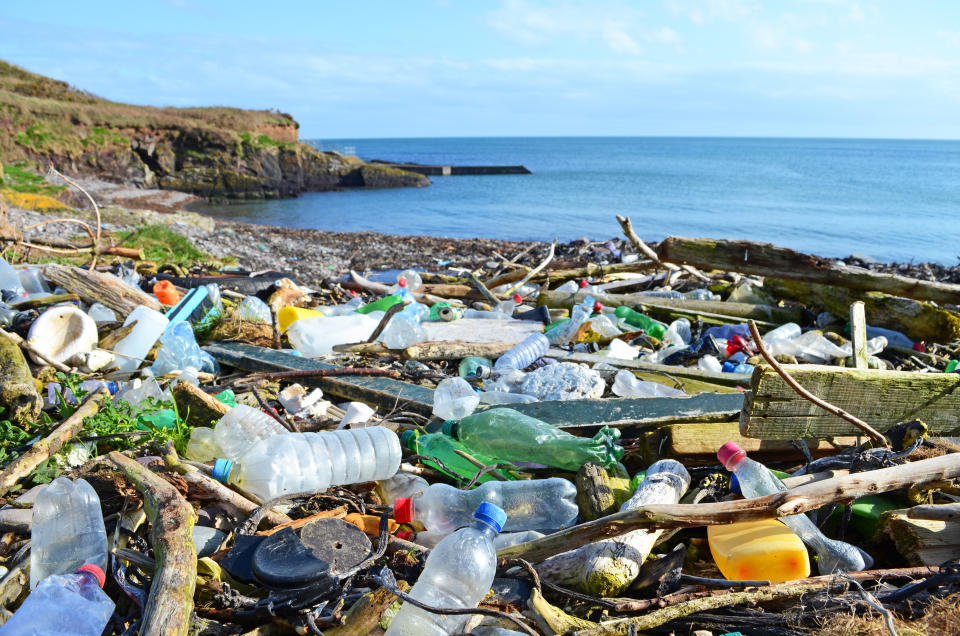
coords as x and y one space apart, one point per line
48 446
533 272
102 287
170 603
647 251
794 501
876 436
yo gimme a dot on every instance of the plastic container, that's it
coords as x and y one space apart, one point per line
507 307
312 462
536 504
524 354
178 351
756 481
33 282
241 428
10 282
458 573
132 349
166 293
203 446
568 331
475 367
67 530
101 313
709 363
61 333
401 485
764 550
317 336
625 384
454 399
442 448
508 434
66 605
654 328
199 306
289 315
252 309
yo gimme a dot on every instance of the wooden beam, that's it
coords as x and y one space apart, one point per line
382 392
921 541
772 410
456 350
100 287
764 259
858 335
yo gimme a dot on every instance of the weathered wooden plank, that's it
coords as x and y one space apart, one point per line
772 410
100 287
764 259
921 541
455 350
382 392
918 319
858 335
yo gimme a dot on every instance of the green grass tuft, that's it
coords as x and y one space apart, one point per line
160 243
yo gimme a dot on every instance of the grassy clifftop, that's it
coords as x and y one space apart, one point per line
214 152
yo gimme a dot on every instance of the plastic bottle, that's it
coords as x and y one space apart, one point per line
458 573
286 316
523 355
404 328
203 446
503 540
166 293
10 282
479 314
33 282
401 485
502 397
578 315
475 367
725 332
312 462
252 309
508 434
507 307
67 604
442 448
764 550
756 481
317 336
536 504
101 313
454 399
569 287
407 281
654 328
709 363
67 530
693 294
241 428
178 350
625 384
132 349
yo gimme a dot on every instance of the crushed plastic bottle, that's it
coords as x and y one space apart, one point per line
508 434
404 329
312 462
756 481
458 573
524 354
569 287
535 504
317 336
241 428
131 350
563 381
443 449
178 351
454 399
65 604
566 332
725 332
252 309
693 294
626 384
67 530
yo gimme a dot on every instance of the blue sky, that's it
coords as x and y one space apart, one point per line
389 68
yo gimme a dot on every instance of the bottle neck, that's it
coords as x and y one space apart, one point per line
485 528
736 462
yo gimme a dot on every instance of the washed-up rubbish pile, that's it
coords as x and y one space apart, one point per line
595 438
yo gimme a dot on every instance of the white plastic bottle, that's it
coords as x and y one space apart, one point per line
242 427
132 349
312 462
536 504
67 530
756 480
66 604
524 354
458 573
454 399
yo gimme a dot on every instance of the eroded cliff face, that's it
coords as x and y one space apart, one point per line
211 152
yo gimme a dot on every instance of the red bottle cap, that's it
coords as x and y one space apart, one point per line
95 571
728 452
597 306
406 535
583 283
517 298
402 282
403 510
353 293
919 346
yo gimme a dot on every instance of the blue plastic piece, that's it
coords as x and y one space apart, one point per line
221 469
491 514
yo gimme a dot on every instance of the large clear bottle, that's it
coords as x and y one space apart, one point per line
242 427
67 530
524 354
458 573
756 481
536 504
312 462
64 604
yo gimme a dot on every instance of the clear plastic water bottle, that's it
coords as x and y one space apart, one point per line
407 281
523 355
454 399
569 287
252 309
132 349
625 384
312 462
67 530
458 573
242 427
404 329
101 313
756 481
504 540
535 504
33 282
502 397
507 307
401 485
67 604
578 315
178 350
10 282
203 446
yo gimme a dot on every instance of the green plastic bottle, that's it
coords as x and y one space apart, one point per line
508 434
382 304
475 367
442 447
634 318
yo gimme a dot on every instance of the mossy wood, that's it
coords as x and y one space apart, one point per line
767 313
708 380
169 605
921 541
802 498
764 259
382 392
18 393
100 287
456 350
363 616
197 407
918 319
601 492
774 411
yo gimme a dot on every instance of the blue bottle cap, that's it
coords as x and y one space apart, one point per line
221 469
491 514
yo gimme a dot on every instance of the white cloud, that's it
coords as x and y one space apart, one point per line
703 12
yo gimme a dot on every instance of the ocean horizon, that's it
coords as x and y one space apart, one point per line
885 199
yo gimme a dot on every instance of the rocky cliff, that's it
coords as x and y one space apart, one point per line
212 152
